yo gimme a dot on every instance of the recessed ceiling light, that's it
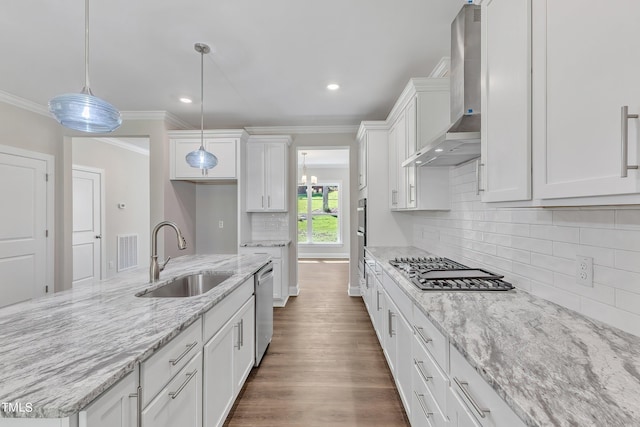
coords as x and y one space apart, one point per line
438 150
186 100
333 86
418 162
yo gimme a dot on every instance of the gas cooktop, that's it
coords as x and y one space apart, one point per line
442 274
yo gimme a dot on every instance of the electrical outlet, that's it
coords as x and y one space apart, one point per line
111 265
220 224
584 270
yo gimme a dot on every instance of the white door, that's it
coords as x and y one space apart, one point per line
23 219
87 225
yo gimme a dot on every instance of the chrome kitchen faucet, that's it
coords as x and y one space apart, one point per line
155 268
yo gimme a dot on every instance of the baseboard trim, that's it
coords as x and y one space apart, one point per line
294 291
354 292
323 255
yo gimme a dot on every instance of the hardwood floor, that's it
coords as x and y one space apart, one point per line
324 365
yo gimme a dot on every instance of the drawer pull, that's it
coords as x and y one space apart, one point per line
391 316
625 141
138 396
177 360
423 337
462 385
378 308
190 375
423 404
423 373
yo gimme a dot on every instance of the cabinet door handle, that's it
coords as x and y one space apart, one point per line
268 201
238 345
412 192
174 394
420 367
241 332
391 331
423 404
378 301
462 385
624 131
262 202
423 337
138 396
478 176
177 360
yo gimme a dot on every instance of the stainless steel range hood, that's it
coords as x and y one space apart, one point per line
461 141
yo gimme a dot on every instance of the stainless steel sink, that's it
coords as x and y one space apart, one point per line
187 286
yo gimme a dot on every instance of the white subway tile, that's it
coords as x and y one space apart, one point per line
627 260
518 281
499 239
498 216
619 279
555 233
553 294
513 229
584 218
628 219
611 315
486 248
617 239
514 254
552 263
534 216
604 294
628 301
533 245
488 227
532 272
602 256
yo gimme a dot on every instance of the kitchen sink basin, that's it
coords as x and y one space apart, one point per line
187 286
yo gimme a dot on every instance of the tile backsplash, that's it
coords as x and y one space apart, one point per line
536 249
269 226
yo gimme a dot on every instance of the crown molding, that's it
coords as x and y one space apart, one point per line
209 133
280 130
442 68
370 125
271 138
170 119
124 145
24 104
414 86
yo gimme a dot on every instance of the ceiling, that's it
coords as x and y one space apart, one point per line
270 65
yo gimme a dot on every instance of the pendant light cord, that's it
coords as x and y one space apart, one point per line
202 99
86 88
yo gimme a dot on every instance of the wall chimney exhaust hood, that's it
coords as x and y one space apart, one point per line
461 141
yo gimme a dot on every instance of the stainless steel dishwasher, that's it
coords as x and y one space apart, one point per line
264 309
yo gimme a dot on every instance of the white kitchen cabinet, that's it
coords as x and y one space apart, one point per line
389 331
266 173
419 115
117 407
228 359
488 409
585 69
458 413
505 166
223 143
280 258
379 304
363 145
180 402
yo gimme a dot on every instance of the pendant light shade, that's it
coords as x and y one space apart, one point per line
83 111
201 158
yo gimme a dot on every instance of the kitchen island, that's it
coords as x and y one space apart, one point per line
551 365
61 352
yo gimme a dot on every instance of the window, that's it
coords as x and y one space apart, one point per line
321 203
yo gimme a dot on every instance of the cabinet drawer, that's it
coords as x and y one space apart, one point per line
158 370
479 397
274 252
432 339
428 372
401 300
220 313
424 410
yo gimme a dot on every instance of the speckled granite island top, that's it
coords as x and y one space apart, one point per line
61 352
551 365
265 243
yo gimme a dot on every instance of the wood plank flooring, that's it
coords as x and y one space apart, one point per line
324 366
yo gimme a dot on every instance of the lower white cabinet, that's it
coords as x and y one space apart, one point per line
180 402
117 407
280 258
458 413
228 359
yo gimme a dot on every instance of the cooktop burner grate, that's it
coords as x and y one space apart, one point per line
443 274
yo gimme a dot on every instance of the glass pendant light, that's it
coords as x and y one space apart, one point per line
83 111
201 158
314 179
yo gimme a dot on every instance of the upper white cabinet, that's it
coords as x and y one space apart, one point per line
362 160
585 69
419 115
505 166
223 143
266 172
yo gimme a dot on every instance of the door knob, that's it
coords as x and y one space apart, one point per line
99 236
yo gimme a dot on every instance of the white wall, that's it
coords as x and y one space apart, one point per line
126 180
333 175
536 248
215 203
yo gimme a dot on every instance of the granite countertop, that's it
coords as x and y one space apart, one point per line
62 351
265 243
551 365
